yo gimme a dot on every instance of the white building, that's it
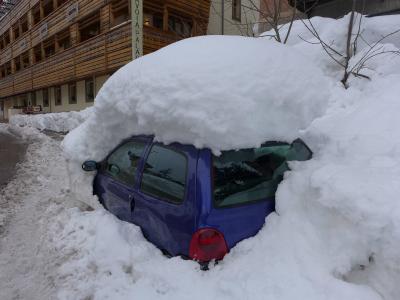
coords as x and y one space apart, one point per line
234 17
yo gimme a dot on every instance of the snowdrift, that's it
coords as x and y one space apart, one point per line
59 122
336 232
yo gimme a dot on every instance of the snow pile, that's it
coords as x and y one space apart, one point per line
30 204
59 122
4 129
375 32
356 175
336 233
197 90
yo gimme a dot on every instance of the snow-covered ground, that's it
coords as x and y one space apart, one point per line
336 232
30 208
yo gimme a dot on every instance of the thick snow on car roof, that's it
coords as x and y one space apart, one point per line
216 92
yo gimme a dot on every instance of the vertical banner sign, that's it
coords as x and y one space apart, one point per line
137 28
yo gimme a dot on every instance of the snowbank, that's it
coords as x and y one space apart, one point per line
332 32
60 122
336 233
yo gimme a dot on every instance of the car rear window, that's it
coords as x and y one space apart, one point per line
248 175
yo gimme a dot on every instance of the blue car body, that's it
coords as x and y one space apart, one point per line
171 226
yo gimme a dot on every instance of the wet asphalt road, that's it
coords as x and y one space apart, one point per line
12 151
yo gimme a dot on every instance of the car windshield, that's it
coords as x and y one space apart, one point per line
250 175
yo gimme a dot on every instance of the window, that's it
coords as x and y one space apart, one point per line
45 93
17 63
33 99
37 52
35 14
123 162
180 26
89 27
15 30
25 60
2 71
61 2
89 88
24 100
158 21
6 39
237 10
57 95
249 175
49 47
120 12
153 19
8 68
47 7
24 24
164 174
64 40
72 93
148 20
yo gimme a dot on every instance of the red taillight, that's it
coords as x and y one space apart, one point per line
207 244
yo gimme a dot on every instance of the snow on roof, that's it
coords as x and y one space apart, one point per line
216 92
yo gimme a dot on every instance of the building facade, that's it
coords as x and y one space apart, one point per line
58 53
249 17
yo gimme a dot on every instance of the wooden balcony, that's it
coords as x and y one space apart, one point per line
57 20
100 55
154 39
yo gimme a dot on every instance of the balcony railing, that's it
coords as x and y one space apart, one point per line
154 39
100 55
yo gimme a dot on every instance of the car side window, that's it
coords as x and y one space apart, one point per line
123 162
164 174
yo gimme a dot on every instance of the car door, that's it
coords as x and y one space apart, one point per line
115 182
165 198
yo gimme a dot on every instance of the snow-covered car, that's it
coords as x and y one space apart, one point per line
335 233
188 201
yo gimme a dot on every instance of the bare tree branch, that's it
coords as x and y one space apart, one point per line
315 33
349 53
291 21
343 60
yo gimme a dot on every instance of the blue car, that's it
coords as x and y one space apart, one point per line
188 201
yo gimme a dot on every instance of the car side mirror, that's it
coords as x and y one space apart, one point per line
90 165
299 151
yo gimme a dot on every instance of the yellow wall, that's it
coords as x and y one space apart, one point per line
99 81
65 105
39 101
80 95
7 104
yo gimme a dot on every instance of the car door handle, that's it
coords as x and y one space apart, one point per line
131 202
